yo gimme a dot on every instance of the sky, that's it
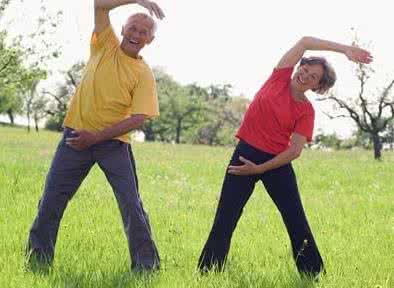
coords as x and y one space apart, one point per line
237 42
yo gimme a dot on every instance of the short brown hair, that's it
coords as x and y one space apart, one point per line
329 76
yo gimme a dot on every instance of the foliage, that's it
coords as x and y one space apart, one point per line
23 63
60 99
194 114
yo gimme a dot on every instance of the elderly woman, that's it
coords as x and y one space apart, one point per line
277 125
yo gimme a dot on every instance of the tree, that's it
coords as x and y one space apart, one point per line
222 116
3 6
180 110
23 60
59 100
36 41
156 129
15 79
388 135
371 114
10 101
183 110
362 139
12 74
194 114
34 105
39 108
327 140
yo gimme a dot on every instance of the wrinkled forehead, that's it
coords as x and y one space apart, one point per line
141 20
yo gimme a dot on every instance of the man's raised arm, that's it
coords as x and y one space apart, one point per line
102 8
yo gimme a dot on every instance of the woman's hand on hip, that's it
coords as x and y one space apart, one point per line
248 168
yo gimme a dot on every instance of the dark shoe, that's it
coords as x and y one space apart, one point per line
146 258
141 269
37 262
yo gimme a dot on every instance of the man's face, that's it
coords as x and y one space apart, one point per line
137 33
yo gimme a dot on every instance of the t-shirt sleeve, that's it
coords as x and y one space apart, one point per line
304 126
144 98
281 74
278 78
104 39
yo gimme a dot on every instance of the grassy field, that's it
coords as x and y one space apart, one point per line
348 198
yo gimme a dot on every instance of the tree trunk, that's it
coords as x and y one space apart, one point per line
28 121
36 123
149 134
377 146
11 116
178 131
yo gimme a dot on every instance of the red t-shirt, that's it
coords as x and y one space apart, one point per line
274 115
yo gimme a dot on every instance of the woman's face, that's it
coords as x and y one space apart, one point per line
307 77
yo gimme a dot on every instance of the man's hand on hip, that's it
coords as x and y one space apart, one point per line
83 139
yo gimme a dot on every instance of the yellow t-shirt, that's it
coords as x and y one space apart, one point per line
114 87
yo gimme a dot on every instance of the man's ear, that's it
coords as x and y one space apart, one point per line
151 39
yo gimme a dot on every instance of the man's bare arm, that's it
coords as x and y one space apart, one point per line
84 139
102 8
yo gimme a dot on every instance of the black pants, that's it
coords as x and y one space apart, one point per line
282 187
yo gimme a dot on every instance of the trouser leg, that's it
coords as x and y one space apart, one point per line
115 159
236 191
281 185
68 169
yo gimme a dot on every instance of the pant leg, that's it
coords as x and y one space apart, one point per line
137 186
114 158
236 191
281 185
68 169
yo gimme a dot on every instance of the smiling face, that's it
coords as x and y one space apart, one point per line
138 32
307 77
314 73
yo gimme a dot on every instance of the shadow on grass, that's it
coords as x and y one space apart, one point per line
125 278
237 275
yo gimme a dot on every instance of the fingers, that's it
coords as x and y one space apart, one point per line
155 10
150 9
239 170
72 140
235 170
74 143
362 56
158 11
246 161
365 56
368 58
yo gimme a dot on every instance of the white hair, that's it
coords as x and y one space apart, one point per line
145 16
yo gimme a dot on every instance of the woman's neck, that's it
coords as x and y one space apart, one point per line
297 94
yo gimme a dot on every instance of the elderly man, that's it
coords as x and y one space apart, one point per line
116 94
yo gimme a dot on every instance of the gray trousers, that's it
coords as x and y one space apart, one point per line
68 170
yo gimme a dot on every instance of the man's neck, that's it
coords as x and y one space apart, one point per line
131 55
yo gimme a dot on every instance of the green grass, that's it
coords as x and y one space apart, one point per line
348 198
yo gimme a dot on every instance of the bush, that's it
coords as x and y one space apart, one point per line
54 123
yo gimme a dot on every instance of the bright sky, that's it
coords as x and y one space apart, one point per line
238 42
